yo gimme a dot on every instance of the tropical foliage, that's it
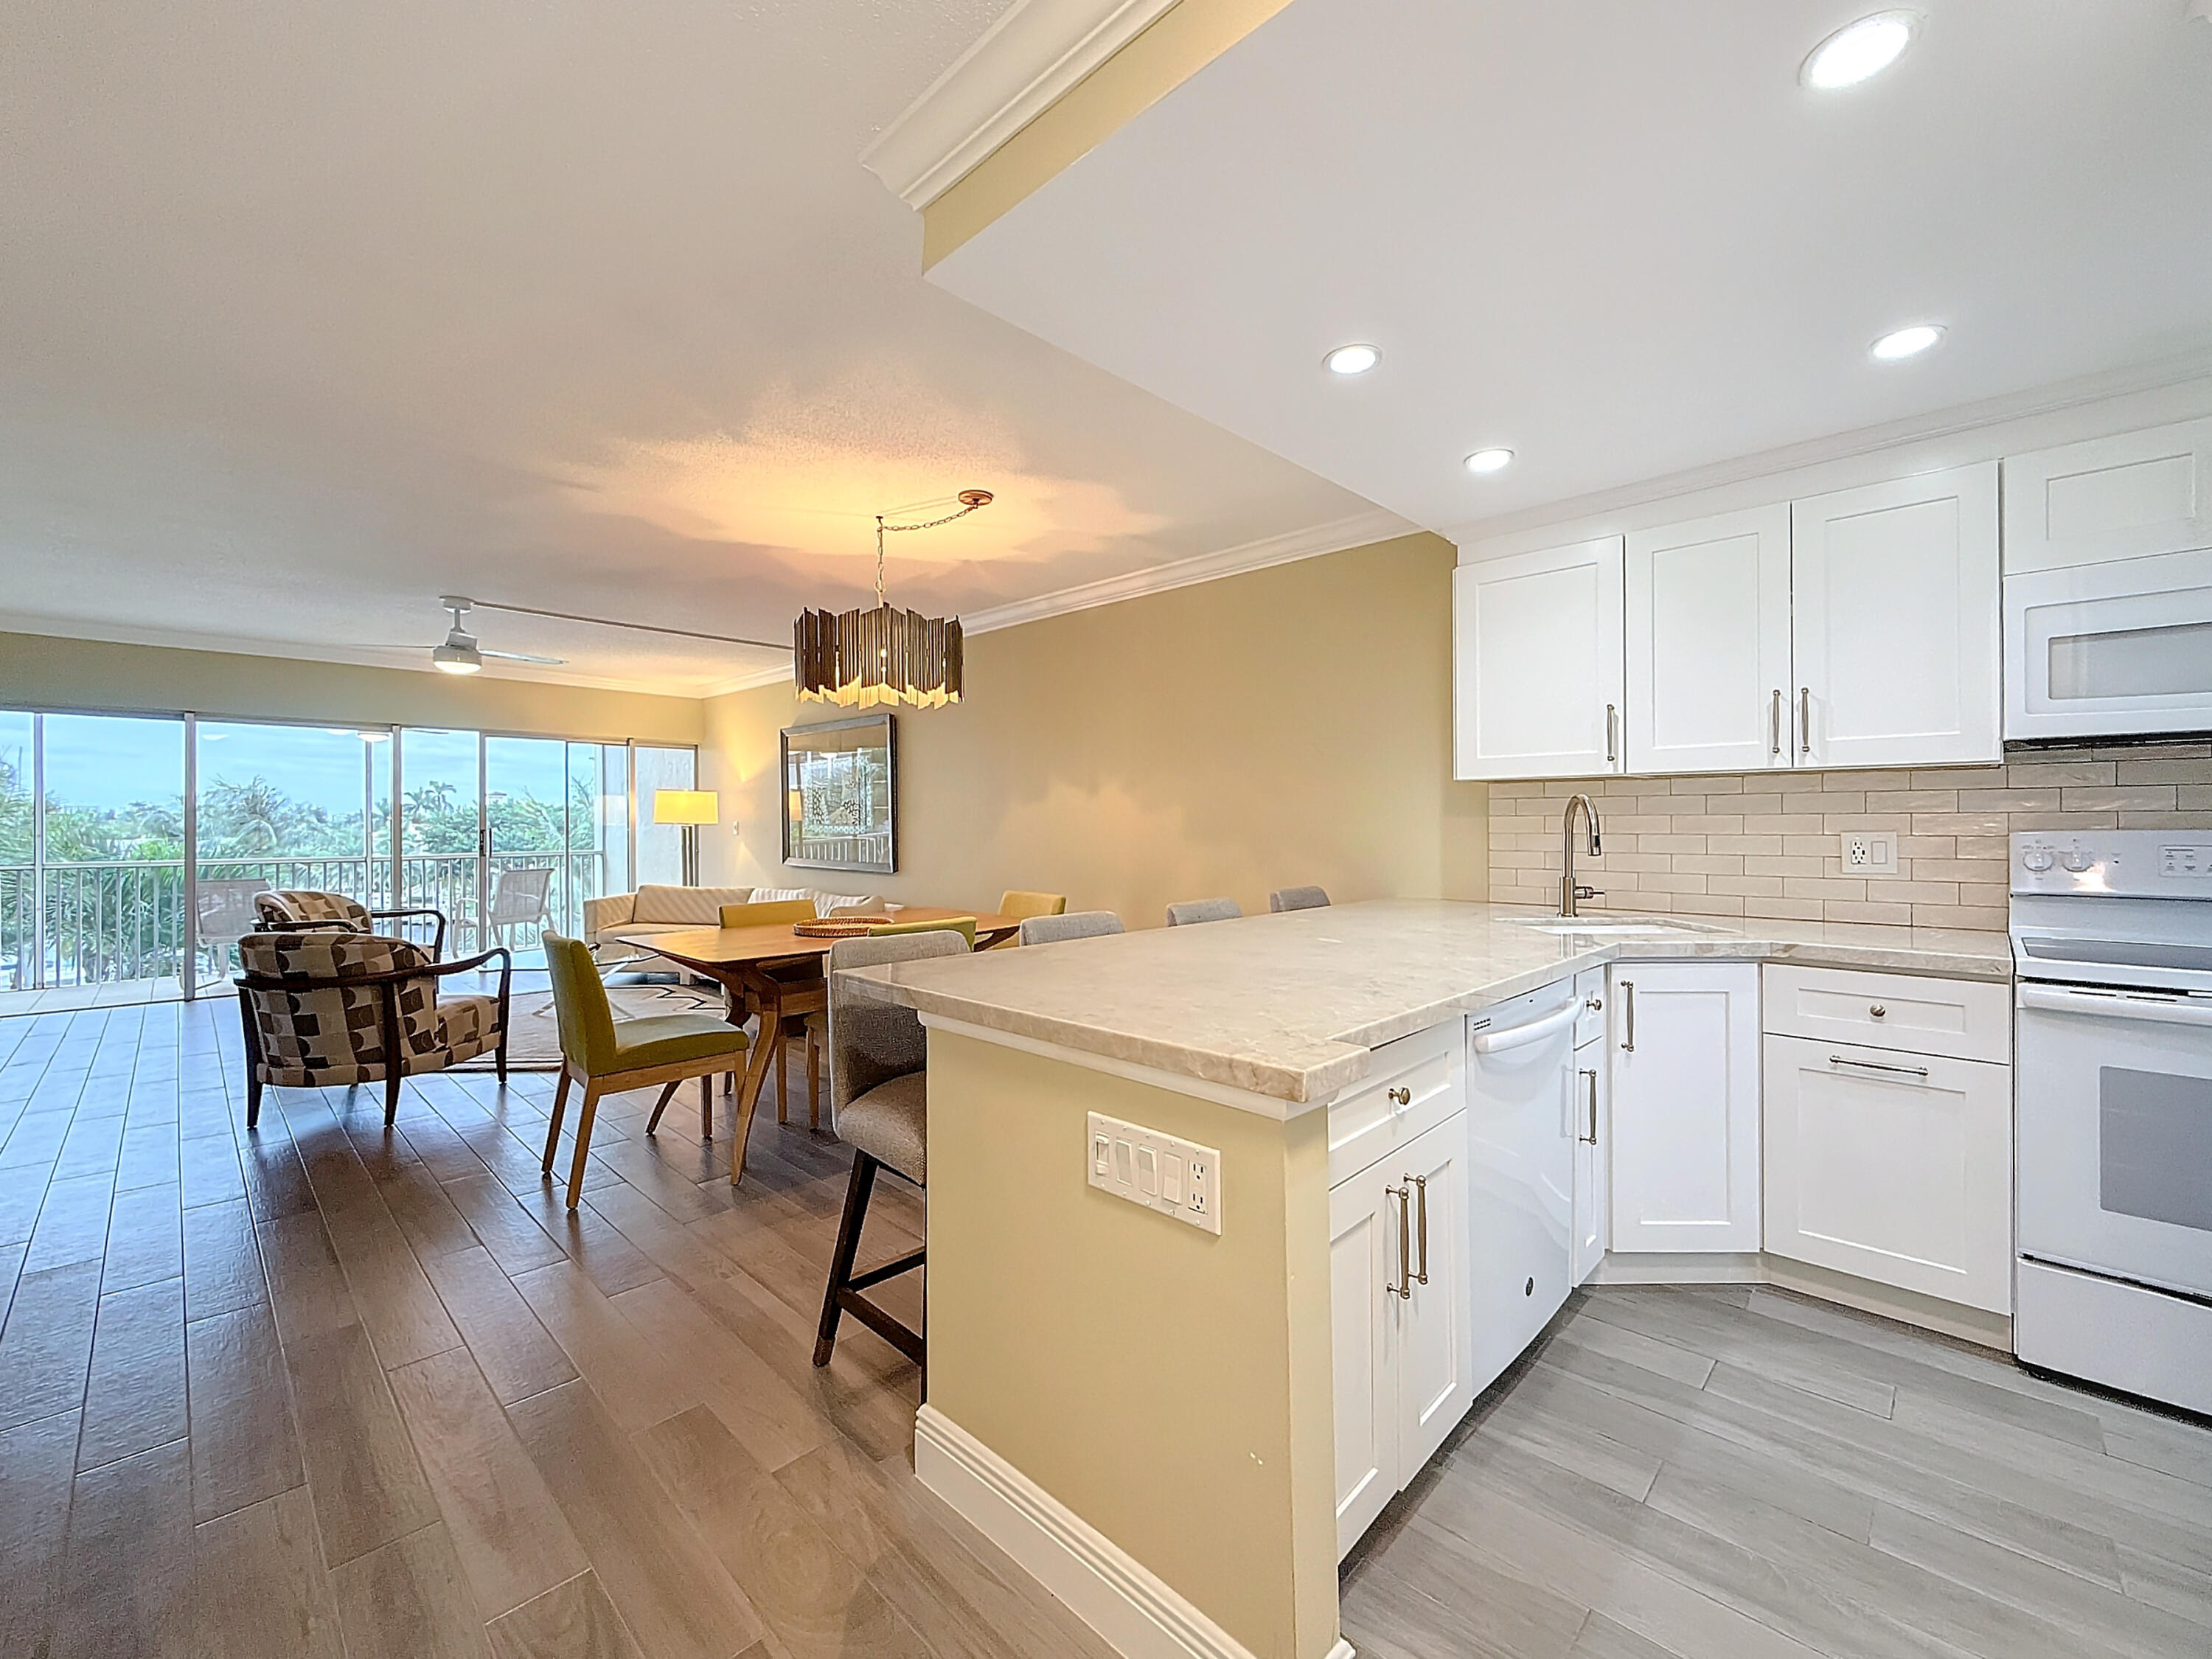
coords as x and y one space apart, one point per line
127 921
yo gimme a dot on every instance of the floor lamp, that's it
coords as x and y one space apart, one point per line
689 808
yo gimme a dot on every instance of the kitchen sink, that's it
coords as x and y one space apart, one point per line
1598 927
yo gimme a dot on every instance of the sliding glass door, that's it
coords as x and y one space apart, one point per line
131 846
284 807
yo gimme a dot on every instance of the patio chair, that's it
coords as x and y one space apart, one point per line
519 898
225 913
306 909
332 1007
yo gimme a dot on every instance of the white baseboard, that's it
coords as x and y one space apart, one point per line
1139 1613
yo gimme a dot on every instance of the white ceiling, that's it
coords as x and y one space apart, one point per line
1619 237
315 311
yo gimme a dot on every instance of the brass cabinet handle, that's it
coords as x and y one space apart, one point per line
1404 1287
1628 1012
1878 1010
1595 1004
1804 719
1421 1188
1401 1097
1592 1136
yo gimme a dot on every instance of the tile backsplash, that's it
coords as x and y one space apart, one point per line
1770 844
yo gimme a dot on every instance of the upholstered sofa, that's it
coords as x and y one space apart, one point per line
662 909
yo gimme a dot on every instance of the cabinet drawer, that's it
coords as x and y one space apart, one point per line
1892 1166
1416 1084
1962 1020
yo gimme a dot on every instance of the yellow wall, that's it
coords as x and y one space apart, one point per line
1287 725
38 671
1192 1424
1175 46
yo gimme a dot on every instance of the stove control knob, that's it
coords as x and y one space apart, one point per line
2077 860
2036 859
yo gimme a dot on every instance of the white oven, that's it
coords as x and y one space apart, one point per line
2119 647
2112 948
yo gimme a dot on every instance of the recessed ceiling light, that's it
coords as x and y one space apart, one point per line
1858 51
1489 460
1907 341
1352 359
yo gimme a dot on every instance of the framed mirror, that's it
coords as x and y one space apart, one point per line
840 796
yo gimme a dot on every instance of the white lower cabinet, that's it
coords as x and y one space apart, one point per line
1893 1166
1684 1153
1401 1312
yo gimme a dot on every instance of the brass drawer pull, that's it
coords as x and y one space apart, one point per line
1401 1097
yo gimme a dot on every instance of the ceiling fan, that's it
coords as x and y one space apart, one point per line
461 654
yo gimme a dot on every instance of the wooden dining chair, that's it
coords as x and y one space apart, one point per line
608 1059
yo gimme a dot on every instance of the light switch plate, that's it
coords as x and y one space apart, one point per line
1177 1178
1869 853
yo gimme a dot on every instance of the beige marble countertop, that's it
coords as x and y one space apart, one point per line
1290 1006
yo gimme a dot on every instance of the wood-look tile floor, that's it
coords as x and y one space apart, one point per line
325 1390
1725 1472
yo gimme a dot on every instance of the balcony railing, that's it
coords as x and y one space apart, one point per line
93 923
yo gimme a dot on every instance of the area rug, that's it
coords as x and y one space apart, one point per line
533 1038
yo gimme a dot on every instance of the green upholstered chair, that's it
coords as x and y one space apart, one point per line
768 914
608 1059
964 926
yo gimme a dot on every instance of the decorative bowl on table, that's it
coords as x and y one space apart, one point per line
837 927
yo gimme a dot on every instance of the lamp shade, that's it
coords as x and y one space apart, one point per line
686 806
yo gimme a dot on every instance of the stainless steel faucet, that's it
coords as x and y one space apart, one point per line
1569 893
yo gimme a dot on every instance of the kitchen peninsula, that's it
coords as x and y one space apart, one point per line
1168 1423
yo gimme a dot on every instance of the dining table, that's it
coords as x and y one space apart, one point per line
775 972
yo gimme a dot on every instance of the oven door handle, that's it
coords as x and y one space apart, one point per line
2104 1006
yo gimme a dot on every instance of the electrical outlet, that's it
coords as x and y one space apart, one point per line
1869 853
1178 1178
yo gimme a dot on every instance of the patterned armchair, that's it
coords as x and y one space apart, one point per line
333 1007
296 908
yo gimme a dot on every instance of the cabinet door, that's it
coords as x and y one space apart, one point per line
1363 1221
1895 1167
1893 596
1536 665
1685 1149
1435 1346
1708 644
1593 1142
2124 497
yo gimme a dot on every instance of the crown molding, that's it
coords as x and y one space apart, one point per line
1335 536
1024 64
771 674
404 660
2108 386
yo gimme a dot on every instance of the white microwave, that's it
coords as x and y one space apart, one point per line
2119 648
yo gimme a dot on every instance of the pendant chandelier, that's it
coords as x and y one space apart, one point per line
885 655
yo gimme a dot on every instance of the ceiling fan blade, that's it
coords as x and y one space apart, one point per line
521 656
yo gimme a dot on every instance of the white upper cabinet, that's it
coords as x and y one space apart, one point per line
1536 664
1708 639
1894 622
2124 497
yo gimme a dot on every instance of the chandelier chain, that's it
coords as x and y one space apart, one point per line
882 529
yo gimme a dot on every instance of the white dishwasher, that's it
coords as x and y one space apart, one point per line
1521 1168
